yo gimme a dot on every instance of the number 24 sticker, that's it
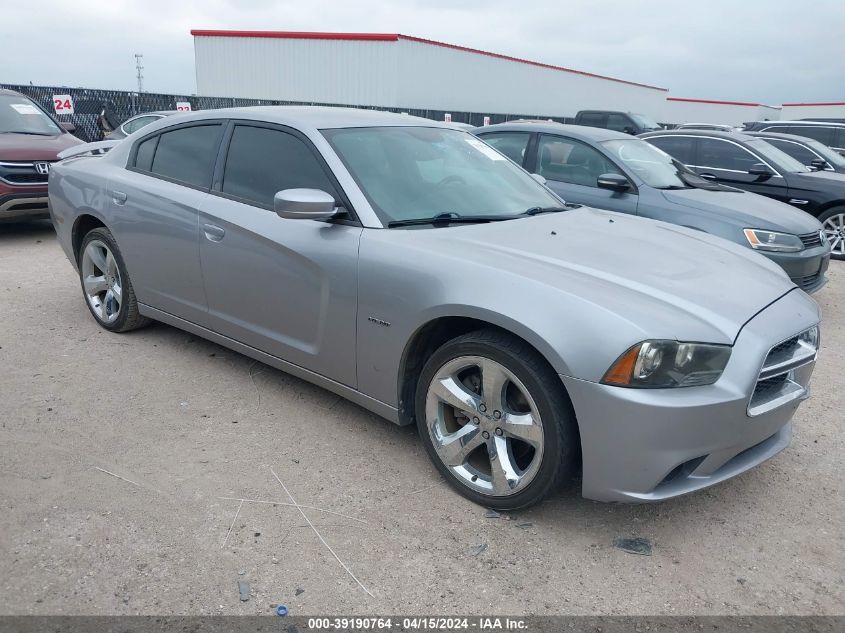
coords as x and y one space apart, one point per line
63 104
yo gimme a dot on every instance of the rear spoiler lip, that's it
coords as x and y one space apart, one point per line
97 148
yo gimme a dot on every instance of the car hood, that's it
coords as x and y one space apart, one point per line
34 146
664 280
746 210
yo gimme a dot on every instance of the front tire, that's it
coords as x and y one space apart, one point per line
106 285
833 223
496 420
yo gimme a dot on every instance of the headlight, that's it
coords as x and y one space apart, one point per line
662 364
762 240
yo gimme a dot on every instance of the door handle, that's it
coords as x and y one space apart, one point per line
708 176
213 232
119 197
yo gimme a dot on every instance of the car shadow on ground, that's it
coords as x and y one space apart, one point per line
14 232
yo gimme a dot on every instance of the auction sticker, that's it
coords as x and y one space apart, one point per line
63 104
25 108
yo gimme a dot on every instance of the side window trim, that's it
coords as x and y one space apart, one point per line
133 153
220 165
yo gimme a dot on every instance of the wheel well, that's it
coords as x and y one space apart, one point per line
83 225
829 205
423 344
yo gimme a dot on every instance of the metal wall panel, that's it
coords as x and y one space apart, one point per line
811 110
716 112
405 74
327 71
446 77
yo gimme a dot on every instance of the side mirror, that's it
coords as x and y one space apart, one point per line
539 178
68 126
614 182
818 164
305 204
760 169
629 130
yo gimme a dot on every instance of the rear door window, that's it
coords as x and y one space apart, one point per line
263 161
820 133
681 148
187 154
511 144
718 154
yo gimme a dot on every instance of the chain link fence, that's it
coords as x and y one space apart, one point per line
93 106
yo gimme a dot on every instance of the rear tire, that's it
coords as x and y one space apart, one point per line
496 420
106 286
833 222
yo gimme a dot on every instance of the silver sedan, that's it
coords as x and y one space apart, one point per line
412 269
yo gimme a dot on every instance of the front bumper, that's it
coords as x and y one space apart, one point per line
643 445
806 268
23 202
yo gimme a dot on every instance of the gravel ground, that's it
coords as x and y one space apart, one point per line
182 423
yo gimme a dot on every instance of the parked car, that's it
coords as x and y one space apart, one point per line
30 139
611 170
135 123
805 150
752 164
831 134
707 126
628 122
414 270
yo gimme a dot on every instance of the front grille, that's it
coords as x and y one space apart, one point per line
785 372
809 240
25 179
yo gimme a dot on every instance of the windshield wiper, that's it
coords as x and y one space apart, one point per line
25 132
539 210
444 219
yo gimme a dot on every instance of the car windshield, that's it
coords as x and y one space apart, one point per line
645 122
654 166
20 115
420 172
777 157
833 158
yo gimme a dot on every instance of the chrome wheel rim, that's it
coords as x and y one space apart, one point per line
101 281
484 425
834 230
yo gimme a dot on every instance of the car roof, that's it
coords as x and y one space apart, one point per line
160 112
785 137
6 91
314 117
806 123
579 132
733 136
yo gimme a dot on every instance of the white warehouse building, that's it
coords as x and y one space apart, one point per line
400 71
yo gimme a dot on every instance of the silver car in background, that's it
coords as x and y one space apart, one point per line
414 270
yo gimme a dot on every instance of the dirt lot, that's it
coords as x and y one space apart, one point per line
185 422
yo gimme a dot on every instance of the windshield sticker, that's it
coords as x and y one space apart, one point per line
25 108
489 152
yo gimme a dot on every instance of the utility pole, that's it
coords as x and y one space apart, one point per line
140 69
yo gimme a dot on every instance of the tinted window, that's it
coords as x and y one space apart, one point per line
593 119
821 134
188 154
262 162
511 144
618 122
566 160
144 156
678 147
798 152
137 124
724 155
839 143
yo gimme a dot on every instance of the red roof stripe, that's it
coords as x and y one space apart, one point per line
736 103
393 37
832 103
